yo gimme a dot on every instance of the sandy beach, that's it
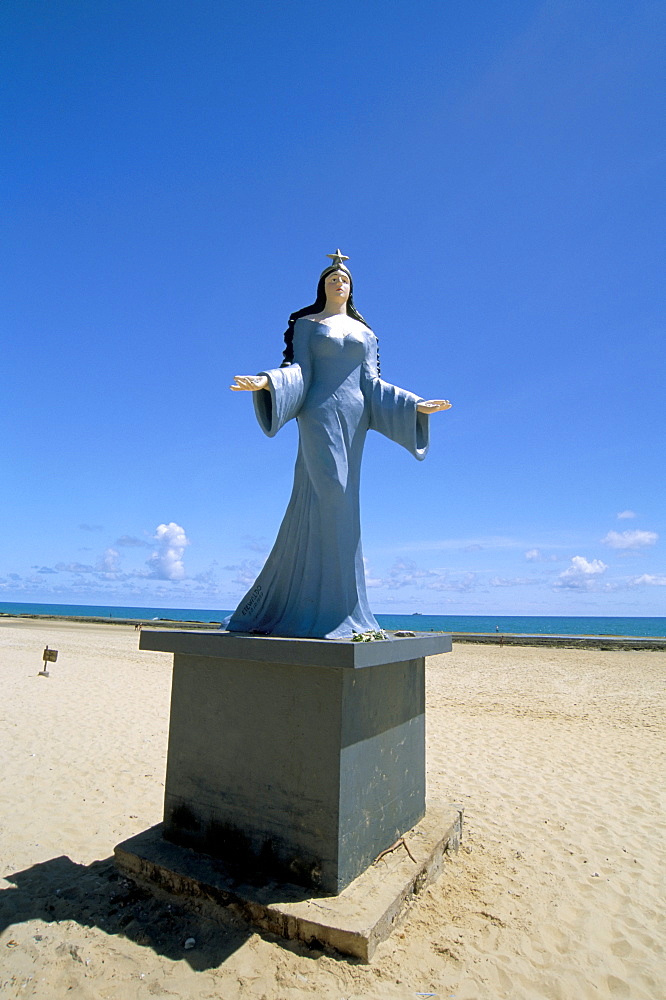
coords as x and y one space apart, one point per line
558 892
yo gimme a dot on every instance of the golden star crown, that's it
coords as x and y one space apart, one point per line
337 262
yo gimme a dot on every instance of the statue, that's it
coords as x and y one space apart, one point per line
313 582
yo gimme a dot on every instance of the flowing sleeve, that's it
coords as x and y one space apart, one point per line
392 410
287 387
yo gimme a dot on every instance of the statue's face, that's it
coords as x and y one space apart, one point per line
337 287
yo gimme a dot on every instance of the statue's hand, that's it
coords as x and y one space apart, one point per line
433 405
249 383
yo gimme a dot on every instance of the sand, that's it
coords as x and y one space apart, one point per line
558 891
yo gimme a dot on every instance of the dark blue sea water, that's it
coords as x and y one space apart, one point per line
516 625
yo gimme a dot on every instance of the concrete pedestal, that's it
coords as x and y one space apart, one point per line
353 921
294 759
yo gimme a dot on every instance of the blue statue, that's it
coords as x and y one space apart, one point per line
313 582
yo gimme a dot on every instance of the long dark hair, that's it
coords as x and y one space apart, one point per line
317 307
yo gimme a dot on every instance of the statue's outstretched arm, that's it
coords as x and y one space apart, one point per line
249 383
433 405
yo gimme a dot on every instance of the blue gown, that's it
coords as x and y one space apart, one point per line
313 582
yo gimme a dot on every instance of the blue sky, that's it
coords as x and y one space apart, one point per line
173 175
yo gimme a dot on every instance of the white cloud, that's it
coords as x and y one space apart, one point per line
246 572
206 580
107 567
404 573
517 581
256 544
625 515
581 574
166 562
110 562
536 555
130 542
649 580
630 539
370 580
462 544
460 584
74 567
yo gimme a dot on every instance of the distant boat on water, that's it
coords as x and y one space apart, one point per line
415 613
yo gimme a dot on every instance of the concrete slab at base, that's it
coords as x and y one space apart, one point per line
353 922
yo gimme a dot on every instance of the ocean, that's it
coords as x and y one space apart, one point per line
509 624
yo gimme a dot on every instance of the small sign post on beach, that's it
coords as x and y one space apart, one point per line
48 656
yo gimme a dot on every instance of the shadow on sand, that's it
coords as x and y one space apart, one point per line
97 895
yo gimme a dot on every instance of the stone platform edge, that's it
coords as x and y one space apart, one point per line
353 923
296 652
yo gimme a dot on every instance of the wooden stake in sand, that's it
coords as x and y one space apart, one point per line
48 656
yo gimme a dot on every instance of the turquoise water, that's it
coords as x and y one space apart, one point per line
511 624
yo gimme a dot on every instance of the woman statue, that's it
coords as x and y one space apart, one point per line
313 582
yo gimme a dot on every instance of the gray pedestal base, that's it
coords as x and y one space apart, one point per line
353 922
294 759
